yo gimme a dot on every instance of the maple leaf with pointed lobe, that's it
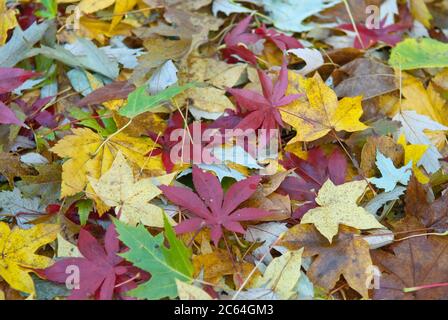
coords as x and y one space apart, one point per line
322 112
237 40
261 110
210 207
391 34
281 40
100 268
311 175
240 38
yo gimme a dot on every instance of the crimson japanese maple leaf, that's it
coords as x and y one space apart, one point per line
237 41
240 38
391 34
211 208
100 269
167 141
281 40
261 111
311 175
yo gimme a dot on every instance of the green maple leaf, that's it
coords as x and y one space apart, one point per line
140 101
150 254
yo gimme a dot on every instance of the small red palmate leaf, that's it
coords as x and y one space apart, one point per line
261 110
100 268
212 208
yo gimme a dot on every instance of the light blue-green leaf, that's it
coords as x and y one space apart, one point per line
237 155
381 199
221 171
228 7
79 81
84 54
23 209
119 52
391 176
288 15
16 49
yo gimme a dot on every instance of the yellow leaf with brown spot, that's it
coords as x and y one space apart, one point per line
282 274
18 256
130 197
338 205
320 112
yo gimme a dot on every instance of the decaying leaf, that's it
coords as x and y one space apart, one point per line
346 256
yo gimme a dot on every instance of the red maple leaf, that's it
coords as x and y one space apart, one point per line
209 207
391 34
237 41
281 40
240 38
261 111
167 142
311 175
100 269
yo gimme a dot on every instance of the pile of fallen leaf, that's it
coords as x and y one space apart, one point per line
352 205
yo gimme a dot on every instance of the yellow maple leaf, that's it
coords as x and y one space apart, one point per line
427 102
421 12
120 9
89 154
188 291
321 112
414 152
118 188
89 6
100 30
18 256
282 274
338 206
7 21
